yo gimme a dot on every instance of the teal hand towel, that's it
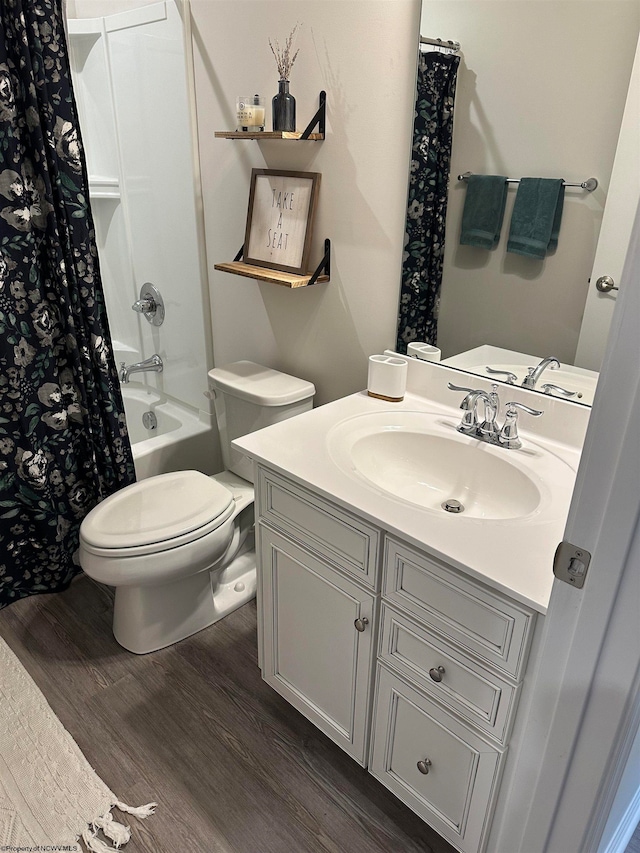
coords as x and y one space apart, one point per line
536 217
483 211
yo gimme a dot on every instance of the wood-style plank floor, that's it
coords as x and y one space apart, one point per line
233 767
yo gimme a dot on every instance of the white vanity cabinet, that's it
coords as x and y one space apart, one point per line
318 608
451 658
373 639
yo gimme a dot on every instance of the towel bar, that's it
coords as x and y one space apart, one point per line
590 184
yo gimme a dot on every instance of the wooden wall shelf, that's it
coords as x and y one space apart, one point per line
286 279
318 120
266 134
321 275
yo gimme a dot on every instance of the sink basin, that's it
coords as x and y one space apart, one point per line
420 459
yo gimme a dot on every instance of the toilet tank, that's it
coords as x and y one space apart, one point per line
249 397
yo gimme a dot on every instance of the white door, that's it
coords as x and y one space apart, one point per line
620 208
584 718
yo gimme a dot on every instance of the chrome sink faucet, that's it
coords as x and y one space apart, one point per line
534 373
487 430
153 365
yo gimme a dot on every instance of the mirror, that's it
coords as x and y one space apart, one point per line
541 92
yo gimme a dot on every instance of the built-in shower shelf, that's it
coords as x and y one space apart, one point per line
101 187
286 279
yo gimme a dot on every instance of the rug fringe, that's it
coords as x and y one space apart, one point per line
112 829
94 844
116 832
140 811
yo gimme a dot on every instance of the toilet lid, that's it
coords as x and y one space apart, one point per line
156 509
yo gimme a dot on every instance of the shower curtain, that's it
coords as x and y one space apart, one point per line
427 204
63 437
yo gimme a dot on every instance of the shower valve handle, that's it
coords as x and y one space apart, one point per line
150 304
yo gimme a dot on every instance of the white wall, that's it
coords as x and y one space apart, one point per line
362 53
541 92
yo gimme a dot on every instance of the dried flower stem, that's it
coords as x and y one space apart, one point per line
284 59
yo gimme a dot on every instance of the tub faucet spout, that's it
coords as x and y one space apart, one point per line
153 364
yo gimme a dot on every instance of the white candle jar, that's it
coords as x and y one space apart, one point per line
250 111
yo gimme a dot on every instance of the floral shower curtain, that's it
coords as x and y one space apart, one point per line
63 438
427 204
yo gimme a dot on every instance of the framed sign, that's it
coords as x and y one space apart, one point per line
280 219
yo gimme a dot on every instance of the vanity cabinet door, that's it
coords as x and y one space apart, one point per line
433 762
318 640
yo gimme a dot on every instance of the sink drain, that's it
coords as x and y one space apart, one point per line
452 505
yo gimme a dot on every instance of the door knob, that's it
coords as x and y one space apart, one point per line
361 624
423 766
605 284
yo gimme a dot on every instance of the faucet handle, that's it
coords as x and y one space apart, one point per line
453 387
509 433
511 407
510 378
550 388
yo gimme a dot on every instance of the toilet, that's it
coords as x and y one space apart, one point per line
179 548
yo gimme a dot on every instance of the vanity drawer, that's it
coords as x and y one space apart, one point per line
349 543
496 629
480 696
456 794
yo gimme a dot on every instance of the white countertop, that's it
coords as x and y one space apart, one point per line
514 556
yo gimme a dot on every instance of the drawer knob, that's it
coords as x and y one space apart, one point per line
436 673
361 624
423 766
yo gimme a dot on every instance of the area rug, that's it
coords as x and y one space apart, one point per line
49 795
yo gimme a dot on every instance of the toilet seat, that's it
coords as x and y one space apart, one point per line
157 514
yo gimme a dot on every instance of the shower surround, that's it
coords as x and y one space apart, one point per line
132 82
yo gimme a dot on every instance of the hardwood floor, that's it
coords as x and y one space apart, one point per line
233 767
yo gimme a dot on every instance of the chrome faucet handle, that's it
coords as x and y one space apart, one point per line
145 306
550 388
150 304
509 433
533 412
511 378
453 387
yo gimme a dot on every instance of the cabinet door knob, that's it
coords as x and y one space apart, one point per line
423 766
361 624
436 673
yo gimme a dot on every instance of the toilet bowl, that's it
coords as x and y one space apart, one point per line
179 547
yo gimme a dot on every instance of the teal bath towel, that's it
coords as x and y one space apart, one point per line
536 217
483 211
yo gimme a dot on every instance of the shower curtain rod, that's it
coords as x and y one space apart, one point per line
452 45
590 184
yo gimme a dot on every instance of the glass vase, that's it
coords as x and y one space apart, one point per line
283 108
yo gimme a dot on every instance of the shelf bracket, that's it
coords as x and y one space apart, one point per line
318 119
324 267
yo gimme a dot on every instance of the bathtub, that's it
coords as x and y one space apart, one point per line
182 439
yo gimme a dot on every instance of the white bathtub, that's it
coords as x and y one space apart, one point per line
183 438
